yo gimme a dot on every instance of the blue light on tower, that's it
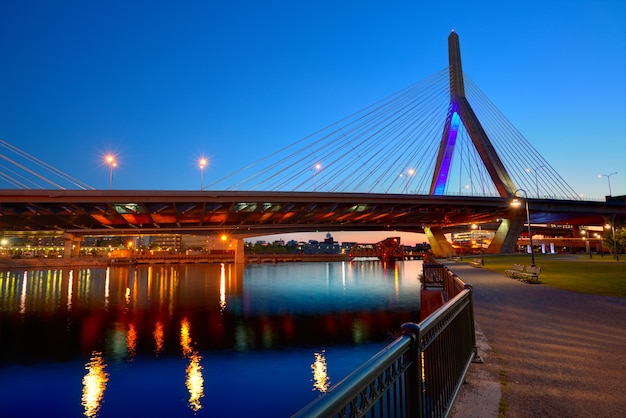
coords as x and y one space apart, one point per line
442 178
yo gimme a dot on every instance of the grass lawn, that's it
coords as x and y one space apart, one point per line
574 272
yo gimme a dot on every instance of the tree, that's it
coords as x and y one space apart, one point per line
620 238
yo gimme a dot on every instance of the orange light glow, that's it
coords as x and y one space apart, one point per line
159 337
94 384
195 382
222 287
131 340
185 337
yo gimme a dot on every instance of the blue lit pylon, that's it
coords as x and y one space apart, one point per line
459 112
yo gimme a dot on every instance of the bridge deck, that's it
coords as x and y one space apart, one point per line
257 213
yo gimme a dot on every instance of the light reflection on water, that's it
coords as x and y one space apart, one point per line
94 384
194 380
231 337
321 381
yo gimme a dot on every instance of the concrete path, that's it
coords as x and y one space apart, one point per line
560 354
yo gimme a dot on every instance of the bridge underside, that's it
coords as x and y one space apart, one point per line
102 212
96 212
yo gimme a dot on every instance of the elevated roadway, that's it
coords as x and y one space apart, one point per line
113 212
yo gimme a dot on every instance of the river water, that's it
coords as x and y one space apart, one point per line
205 340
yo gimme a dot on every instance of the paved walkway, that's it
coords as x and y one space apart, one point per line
563 354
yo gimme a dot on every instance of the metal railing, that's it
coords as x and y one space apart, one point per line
417 375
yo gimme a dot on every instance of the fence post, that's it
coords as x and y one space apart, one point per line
413 375
477 358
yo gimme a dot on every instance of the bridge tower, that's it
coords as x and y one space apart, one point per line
460 112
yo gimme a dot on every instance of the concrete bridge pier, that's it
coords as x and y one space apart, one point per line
439 245
239 251
71 245
505 239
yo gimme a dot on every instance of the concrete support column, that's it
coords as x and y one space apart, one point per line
239 251
71 245
438 242
505 239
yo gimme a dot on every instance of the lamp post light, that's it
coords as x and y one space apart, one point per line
517 203
608 179
612 226
202 163
482 253
408 178
535 170
110 160
316 168
587 239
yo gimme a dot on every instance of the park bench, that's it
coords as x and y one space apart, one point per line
476 263
529 274
513 271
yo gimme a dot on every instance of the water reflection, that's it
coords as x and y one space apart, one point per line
107 282
222 287
185 337
139 318
321 381
131 340
194 380
23 294
70 288
94 384
159 335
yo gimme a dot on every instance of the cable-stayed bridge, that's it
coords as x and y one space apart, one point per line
425 139
435 155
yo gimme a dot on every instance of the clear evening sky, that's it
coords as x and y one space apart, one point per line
161 84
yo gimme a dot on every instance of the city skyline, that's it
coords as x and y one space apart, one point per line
161 88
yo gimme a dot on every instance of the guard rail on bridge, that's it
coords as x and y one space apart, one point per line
417 375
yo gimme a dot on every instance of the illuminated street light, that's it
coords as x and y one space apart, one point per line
408 178
517 203
535 170
110 160
612 226
317 168
482 253
587 239
608 178
224 238
202 163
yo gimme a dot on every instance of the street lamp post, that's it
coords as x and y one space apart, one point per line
535 170
612 226
408 177
110 160
587 239
202 163
317 168
608 179
516 203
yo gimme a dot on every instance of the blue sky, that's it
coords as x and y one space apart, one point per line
161 84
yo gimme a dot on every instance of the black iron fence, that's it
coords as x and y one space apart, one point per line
421 372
